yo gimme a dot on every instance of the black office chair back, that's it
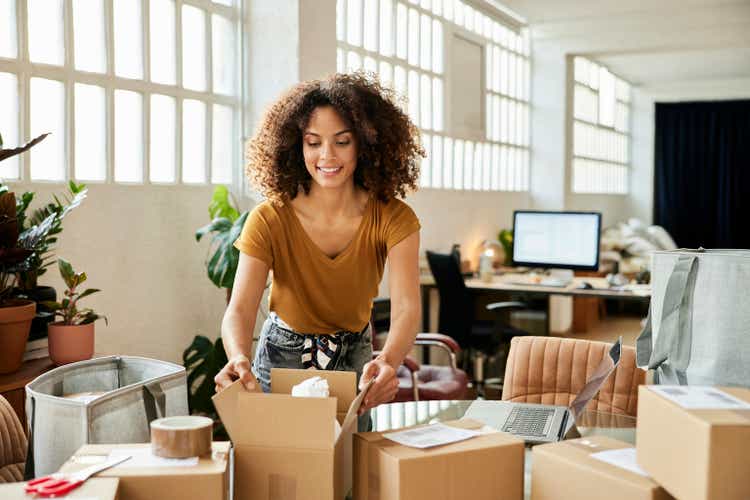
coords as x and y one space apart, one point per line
456 305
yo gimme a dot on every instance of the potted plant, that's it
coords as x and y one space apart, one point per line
42 254
72 338
16 246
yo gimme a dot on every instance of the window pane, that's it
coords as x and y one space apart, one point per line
401 30
128 136
340 20
228 3
8 44
354 22
437 161
425 103
90 133
353 62
386 74
370 64
414 97
386 27
163 42
413 37
370 35
193 48
193 141
606 98
9 169
128 39
425 42
48 115
162 160
89 35
437 104
437 46
224 52
222 148
46 40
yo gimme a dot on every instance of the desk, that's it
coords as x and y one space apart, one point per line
505 283
591 423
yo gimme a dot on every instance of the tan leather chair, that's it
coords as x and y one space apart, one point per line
12 444
552 370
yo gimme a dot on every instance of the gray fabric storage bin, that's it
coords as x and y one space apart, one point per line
136 391
698 330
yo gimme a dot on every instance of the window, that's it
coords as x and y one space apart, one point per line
154 99
405 43
601 130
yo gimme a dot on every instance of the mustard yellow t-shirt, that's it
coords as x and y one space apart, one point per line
311 292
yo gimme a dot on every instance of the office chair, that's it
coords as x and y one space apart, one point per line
480 340
552 370
422 382
12 444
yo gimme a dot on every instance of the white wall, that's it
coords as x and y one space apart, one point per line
137 244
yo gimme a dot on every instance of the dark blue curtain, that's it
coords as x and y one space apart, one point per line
702 173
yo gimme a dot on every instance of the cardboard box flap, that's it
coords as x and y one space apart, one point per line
280 420
225 403
341 385
350 419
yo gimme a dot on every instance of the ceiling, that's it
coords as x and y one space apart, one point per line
648 42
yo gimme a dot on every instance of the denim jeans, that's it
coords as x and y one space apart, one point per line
281 347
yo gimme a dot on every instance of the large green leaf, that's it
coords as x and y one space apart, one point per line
203 359
223 256
221 205
218 225
66 271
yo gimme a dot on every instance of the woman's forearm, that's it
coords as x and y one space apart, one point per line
237 334
403 331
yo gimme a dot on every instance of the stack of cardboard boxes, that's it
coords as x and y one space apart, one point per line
693 448
289 448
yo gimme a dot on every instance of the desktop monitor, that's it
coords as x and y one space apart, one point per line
559 240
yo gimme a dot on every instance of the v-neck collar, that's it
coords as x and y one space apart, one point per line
316 249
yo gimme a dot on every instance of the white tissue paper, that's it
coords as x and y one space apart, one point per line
315 387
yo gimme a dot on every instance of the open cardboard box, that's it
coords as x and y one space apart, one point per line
207 480
287 447
695 454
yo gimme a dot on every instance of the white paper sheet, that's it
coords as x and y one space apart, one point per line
143 457
698 397
431 435
623 458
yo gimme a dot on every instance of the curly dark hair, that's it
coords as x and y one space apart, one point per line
388 143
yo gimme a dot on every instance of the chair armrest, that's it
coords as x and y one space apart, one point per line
432 338
501 306
408 362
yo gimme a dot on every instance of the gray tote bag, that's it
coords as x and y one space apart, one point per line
132 391
698 328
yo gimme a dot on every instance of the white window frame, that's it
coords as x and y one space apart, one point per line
491 34
25 69
608 171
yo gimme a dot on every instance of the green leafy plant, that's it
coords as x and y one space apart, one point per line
506 240
68 309
203 359
225 227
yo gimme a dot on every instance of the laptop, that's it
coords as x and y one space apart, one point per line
537 423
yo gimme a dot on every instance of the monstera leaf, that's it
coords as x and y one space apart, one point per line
202 360
223 257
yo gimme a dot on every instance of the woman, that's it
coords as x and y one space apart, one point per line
330 156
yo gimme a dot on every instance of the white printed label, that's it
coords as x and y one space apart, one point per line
623 458
698 397
431 435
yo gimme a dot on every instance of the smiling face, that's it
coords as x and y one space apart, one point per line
329 148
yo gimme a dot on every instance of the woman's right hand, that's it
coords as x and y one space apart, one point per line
237 368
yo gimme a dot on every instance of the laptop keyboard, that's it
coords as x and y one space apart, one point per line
527 421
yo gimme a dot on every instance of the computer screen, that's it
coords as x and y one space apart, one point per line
562 240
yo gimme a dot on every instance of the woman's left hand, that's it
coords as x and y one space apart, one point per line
384 389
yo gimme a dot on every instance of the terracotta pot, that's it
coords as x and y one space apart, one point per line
15 323
70 343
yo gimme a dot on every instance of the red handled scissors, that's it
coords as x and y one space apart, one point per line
60 484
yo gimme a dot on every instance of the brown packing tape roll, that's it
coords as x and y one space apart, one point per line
181 437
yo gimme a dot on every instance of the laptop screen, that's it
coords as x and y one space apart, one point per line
594 383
